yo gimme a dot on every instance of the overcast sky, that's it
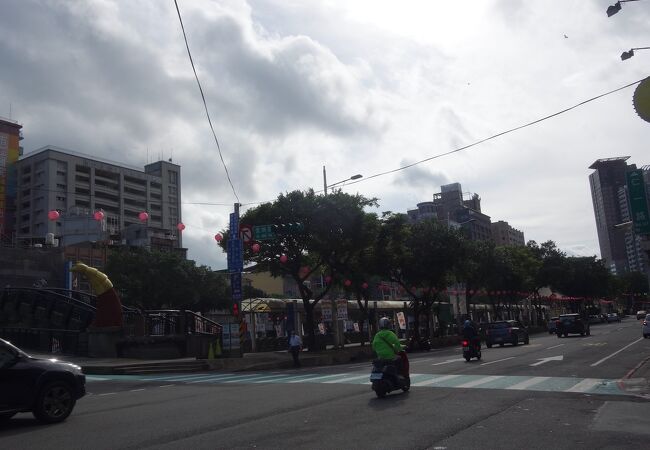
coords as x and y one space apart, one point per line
358 86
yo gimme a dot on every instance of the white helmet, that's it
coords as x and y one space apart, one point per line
384 323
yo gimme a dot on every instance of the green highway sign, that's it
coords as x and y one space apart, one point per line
263 232
636 188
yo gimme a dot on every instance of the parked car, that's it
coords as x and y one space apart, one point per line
571 324
552 325
613 317
646 326
46 387
640 315
506 332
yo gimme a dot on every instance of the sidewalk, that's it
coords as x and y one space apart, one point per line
249 362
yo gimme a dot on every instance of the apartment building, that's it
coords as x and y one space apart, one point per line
78 186
10 151
504 234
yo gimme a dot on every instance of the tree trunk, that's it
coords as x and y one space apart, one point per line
309 322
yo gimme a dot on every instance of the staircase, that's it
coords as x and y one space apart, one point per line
161 367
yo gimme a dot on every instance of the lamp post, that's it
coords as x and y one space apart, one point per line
616 7
325 185
630 53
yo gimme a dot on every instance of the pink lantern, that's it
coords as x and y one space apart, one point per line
347 283
180 226
283 259
364 285
218 237
53 215
328 279
255 247
143 216
98 216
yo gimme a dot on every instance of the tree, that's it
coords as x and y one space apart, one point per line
420 257
156 280
331 233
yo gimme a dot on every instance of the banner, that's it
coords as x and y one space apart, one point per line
401 320
342 309
326 310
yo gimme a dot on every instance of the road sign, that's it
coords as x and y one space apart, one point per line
235 258
235 287
263 232
638 201
245 233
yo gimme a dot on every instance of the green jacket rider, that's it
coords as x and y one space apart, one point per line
385 343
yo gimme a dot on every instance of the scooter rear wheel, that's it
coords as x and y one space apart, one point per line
407 386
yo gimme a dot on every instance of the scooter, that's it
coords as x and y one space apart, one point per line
386 378
471 350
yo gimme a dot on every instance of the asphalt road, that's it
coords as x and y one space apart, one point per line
513 398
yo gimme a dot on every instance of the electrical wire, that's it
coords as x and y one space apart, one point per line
207 113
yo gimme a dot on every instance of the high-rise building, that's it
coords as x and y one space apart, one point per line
10 151
620 247
77 186
455 209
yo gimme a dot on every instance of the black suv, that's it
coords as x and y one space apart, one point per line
571 323
46 387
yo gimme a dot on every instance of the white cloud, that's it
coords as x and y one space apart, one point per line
360 87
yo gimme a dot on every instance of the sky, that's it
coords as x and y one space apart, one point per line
357 86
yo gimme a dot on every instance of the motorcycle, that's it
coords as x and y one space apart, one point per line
385 376
471 349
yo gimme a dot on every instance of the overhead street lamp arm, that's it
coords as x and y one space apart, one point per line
325 185
630 53
616 7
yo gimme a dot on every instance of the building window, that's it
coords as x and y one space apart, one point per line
173 177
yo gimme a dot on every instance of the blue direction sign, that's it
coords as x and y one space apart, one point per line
235 257
234 223
235 287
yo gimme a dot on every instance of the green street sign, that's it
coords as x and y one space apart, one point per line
636 189
263 232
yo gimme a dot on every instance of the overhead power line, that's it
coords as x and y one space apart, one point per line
207 113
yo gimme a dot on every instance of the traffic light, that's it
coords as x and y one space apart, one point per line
235 310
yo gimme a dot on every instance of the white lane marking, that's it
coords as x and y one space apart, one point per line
307 380
498 360
93 378
480 381
136 390
247 379
555 346
585 385
345 380
167 385
107 393
528 383
615 353
448 361
545 360
435 380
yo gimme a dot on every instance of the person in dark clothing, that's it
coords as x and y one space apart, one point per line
470 333
295 345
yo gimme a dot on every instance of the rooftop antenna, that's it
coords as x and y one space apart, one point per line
10 118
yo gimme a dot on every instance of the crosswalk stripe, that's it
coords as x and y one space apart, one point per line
585 385
254 379
480 381
435 380
523 385
345 380
309 380
217 379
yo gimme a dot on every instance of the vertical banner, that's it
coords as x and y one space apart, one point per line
636 188
326 310
342 309
401 320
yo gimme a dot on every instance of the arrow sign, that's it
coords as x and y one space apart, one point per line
550 358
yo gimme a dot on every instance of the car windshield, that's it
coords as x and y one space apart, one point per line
498 325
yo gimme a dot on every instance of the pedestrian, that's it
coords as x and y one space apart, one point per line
295 345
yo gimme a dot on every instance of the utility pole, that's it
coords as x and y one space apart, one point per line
324 181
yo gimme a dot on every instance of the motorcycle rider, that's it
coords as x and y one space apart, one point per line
386 344
471 334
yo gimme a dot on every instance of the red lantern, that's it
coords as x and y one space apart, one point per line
143 216
364 285
99 216
218 237
180 226
471 292
255 247
53 215
328 279
283 259
348 283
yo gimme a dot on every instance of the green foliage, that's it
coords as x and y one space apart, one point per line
159 280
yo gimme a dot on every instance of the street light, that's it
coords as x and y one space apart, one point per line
616 7
630 53
325 185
